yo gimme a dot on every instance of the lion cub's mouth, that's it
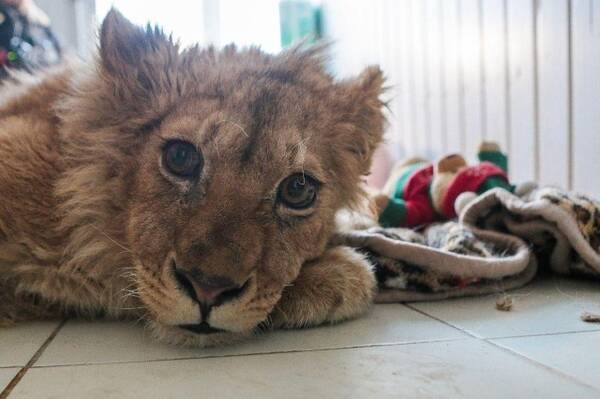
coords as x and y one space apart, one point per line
201 328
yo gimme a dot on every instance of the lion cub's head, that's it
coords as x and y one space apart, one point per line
233 163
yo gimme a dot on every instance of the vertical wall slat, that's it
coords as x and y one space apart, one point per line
452 71
419 76
553 92
520 72
521 81
586 96
493 37
385 59
394 72
470 44
433 75
406 85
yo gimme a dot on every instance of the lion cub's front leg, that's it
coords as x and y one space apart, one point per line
337 286
16 307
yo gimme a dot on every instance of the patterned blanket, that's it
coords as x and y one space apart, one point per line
498 243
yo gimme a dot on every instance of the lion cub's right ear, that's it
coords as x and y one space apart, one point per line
126 50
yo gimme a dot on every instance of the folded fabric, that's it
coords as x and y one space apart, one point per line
495 245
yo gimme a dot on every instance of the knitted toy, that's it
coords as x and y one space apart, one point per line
418 193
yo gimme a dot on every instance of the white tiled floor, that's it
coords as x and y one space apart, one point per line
577 355
18 344
552 305
7 374
461 348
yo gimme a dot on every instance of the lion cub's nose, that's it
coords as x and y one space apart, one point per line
211 291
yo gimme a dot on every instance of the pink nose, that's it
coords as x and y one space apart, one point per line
211 291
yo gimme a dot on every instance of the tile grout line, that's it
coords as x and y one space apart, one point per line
546 334
542 365
17 378
31 364
512 352
500 337
279 352
442 321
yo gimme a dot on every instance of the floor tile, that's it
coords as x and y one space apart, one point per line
577 354
6 374
19 343
104 342
550 305
464 368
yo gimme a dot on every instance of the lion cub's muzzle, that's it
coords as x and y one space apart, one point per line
208 292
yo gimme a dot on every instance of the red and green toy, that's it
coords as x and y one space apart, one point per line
419 192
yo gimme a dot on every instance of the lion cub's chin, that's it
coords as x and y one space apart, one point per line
178 336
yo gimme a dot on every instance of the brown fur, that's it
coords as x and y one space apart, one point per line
90 222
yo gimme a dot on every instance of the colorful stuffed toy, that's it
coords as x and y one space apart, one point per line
419 193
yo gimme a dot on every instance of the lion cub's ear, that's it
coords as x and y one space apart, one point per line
126 49
361 121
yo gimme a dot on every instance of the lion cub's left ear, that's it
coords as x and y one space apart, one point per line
361 121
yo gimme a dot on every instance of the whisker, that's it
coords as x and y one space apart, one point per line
123 294
132 308
127 250
234 124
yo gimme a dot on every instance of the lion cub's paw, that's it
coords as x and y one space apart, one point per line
337 286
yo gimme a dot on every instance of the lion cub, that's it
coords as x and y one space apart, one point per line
193 188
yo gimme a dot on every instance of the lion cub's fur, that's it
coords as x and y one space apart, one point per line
90 224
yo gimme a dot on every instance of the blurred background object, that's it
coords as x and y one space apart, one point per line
519 72
300 20
26 40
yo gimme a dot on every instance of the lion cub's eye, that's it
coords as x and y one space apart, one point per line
182 159
298 191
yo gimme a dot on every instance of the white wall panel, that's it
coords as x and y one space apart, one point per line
522 122
419 76
433 71
523 73
553 92
495 71
586 96
452 75
401 89
472 68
